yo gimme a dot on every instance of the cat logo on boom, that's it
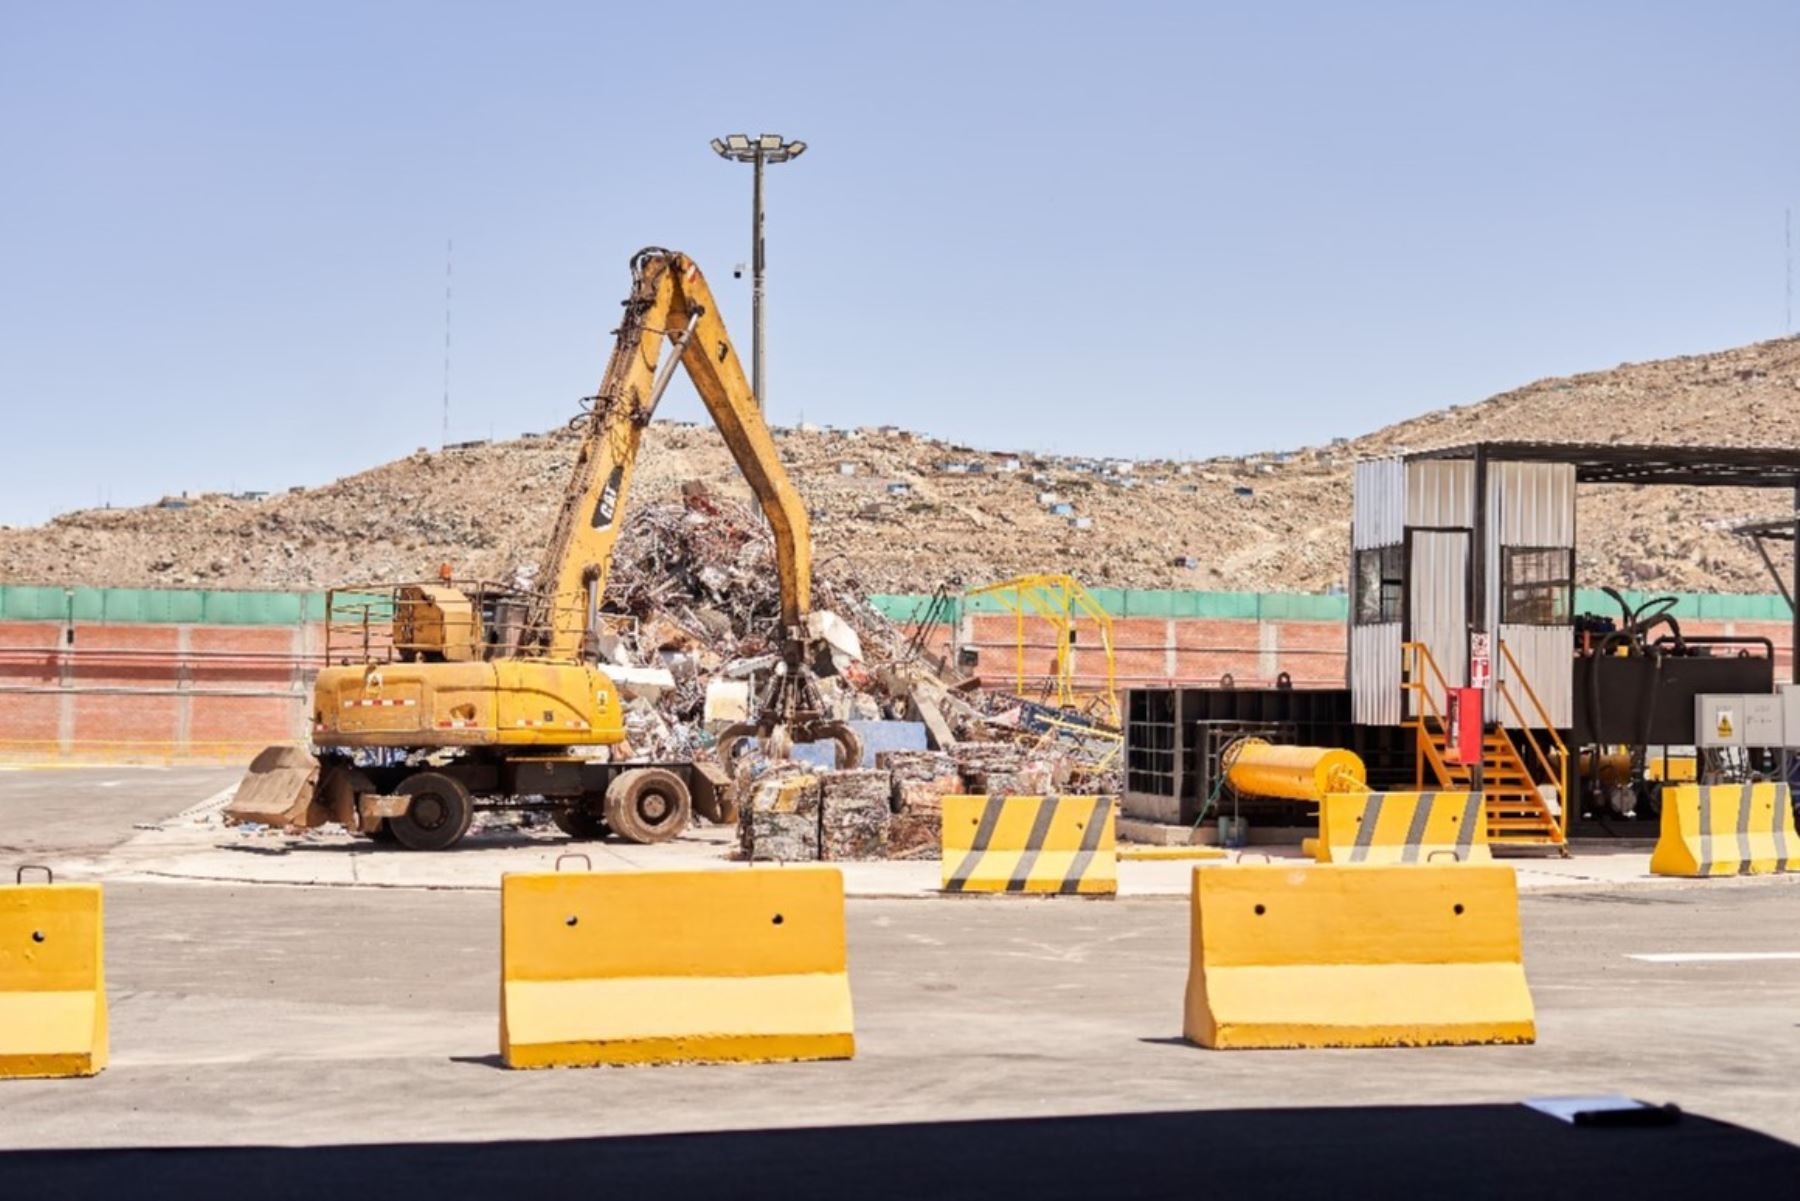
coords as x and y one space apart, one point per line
609 499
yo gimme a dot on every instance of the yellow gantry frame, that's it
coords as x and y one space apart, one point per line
1063 602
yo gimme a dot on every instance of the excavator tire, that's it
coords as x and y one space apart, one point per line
439 815
578 823
648 804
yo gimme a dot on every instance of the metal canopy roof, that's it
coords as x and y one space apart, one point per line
1611 463
1779 528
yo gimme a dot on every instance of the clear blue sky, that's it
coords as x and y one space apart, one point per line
1127 228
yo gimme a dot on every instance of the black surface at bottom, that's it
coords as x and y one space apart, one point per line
1478 1151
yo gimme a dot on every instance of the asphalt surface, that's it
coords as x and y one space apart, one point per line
309 1016
73 810
1469 1152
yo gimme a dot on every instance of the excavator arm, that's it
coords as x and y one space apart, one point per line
672 309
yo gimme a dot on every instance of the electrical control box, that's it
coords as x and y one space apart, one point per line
1762 721
1718 720
1736 720
1790 716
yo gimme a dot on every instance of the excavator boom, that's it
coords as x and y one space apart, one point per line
670 309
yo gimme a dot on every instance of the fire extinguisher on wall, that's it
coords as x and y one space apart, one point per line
1462 725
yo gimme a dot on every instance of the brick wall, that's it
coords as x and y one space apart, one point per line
1157 650
151 692
1198 651
164 692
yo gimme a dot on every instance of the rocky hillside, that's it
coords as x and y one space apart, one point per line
899 511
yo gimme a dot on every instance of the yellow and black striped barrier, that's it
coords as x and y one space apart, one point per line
1726 830
1402 827
1061 845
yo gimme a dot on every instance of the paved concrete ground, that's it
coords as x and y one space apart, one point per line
301 1015
76 810
196 846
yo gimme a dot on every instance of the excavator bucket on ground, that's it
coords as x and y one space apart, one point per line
278 789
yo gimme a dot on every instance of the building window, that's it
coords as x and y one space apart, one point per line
1380 583
1537 585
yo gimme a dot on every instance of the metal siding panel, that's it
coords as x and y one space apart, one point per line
1440 493
1375 674
1439 588
1545 657
1378 503
1530 504
1536 502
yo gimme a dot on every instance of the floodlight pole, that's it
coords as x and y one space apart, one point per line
758 383
758 151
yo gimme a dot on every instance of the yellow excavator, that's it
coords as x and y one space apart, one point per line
443 697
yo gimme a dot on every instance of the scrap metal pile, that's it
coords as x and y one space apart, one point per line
694 619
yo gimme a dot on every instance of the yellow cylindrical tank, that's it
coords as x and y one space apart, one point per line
1612 767
1296 773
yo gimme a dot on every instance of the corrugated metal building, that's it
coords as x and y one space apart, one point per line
1412 578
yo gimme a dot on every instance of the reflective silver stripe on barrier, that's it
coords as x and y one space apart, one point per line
1365 830
1474 811
1415 833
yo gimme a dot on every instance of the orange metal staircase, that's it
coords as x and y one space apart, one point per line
1517 813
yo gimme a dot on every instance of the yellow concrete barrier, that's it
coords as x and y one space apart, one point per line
1402 827
1161 854
52 981
1064 845
671 967
1355 956
1726 830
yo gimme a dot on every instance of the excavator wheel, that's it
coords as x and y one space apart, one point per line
648 804
578 823
439 815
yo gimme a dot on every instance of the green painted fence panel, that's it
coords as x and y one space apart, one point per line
1115 601
1241 606
254 608
1744 608
87 604
153 605
28 602
1302 606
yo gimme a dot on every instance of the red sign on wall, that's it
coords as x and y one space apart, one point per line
1481 663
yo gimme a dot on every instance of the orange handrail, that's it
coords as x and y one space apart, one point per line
1421 659
1418 662
1558 773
